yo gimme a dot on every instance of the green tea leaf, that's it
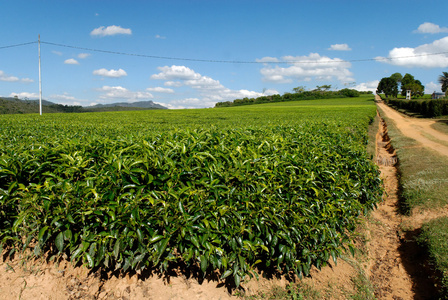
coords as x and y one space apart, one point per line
59 241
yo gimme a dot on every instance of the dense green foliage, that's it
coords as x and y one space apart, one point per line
443 80
279 185
388 86
408 82
300 94
434 238
426 107
397 77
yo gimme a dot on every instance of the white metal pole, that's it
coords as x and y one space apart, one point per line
40 84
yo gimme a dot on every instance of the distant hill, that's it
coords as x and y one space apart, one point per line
141 104
10 105
44 102
16 106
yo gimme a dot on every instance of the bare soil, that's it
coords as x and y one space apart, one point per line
393 262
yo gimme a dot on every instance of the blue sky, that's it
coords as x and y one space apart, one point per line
102 51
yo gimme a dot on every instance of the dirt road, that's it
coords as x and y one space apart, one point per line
418 129
396 255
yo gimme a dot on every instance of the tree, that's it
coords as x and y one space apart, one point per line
418 88
349 92
443 80
388 86
299 89
409 83
324 87
397 77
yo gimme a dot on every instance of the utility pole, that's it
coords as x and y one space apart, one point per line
40 83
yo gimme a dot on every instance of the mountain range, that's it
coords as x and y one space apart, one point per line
12 105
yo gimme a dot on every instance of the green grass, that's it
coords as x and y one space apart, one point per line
441 125
434 237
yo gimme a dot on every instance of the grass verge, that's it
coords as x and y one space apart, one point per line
441 125
434 238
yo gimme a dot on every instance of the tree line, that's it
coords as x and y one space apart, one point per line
299 93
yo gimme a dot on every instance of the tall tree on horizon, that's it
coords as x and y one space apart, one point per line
408 82
388 86
443 80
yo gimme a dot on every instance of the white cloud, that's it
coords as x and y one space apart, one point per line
306 68
4 77
119 92
71 61
210 90
160 37
160 90
24 95
340 47
267 59
83 55
428 27
181 75
432 55
66 99
367 86
110 73
188 103
56 52
110 30
433 87
173 83
9 78
270 92
176 73
63 97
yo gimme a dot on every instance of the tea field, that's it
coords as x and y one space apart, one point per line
228 190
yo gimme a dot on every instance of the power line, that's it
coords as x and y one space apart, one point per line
153 56
274 61
241 61
17 45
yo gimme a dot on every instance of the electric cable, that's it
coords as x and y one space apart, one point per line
229 61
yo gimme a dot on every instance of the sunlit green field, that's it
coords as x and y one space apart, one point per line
140 123
232 189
